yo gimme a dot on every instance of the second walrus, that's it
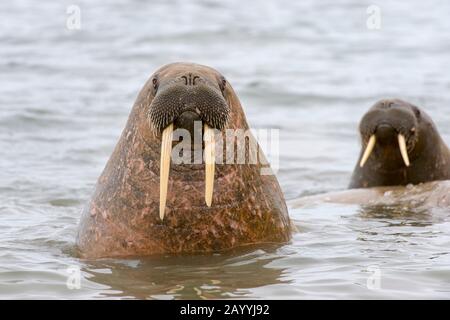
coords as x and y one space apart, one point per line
401 146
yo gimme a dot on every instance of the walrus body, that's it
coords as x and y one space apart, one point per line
123 217
401 146
435 194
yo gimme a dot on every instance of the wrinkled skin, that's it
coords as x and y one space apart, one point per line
428 154
122 216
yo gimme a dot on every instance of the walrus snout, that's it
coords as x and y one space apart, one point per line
385 133
397 119
193 94
190 121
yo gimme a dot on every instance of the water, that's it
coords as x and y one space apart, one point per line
310 69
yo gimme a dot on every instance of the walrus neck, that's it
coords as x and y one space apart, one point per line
426 146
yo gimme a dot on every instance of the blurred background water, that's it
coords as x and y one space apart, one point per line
309 68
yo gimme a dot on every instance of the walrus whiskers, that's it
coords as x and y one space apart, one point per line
210 160
403 149
368 151
166 151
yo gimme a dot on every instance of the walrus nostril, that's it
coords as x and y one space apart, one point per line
190 79
385 132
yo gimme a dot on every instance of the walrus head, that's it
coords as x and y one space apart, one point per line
390 130
157 197
192 98
400 145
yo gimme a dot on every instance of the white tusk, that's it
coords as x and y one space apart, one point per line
166 150
368 151
210 159
403 149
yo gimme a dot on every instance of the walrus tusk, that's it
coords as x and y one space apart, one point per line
368 151
210 159
403 149
166 150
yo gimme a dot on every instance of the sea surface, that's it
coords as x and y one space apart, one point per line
308 68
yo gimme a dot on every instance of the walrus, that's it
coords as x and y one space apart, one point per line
401 146
143 204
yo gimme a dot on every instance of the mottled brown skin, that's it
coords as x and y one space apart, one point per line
122 218
428 154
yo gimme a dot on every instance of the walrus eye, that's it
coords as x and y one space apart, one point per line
222 84
155 84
